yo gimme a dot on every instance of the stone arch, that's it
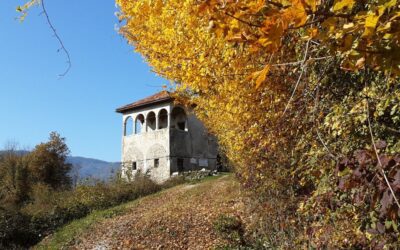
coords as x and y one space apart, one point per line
128 126
179 118
139 123
162 119
151 121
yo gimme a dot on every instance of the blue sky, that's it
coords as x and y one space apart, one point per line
105 74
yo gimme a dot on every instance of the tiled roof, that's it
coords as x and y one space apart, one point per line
162 96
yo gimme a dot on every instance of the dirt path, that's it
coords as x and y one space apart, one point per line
179 218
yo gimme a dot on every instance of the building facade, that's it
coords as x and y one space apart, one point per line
161 138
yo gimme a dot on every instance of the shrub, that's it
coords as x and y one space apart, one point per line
271 220
231 228
50 209
14 230
174 181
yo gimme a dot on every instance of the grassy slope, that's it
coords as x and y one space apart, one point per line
179 217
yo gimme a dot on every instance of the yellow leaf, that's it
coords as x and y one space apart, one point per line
264 41
262 75
390 4
313 32
312 4
387 36
370 24
343 4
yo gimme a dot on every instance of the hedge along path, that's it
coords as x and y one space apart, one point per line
178 218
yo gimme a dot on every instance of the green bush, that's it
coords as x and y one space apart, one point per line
14 230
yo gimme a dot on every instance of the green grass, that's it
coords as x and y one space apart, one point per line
66 235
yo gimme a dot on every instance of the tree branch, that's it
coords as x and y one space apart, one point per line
243 21
69 64
377 155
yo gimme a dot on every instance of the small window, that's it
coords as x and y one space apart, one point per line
134 165
156 163
180 165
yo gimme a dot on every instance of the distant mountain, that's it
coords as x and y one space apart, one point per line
92 168
88 168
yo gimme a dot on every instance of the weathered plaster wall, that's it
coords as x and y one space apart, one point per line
145 147
195 146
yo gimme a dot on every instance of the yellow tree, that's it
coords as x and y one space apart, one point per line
270 79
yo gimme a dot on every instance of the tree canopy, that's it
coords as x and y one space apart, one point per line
21 171
47 163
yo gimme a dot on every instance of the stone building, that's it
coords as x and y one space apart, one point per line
161 138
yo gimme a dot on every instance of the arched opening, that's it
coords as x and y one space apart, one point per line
139 124
128 126
151 121
162 119
179 119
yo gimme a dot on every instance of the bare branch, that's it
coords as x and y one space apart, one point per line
298 79
69 64
316 103
377 155
302 61
243 21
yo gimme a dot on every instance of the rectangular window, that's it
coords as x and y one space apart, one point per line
180 165
134 166
156 163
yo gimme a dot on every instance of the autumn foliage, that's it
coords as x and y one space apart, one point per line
303 96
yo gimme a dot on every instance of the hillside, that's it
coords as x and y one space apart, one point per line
183 217
92 168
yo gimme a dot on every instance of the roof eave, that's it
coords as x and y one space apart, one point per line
127 108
